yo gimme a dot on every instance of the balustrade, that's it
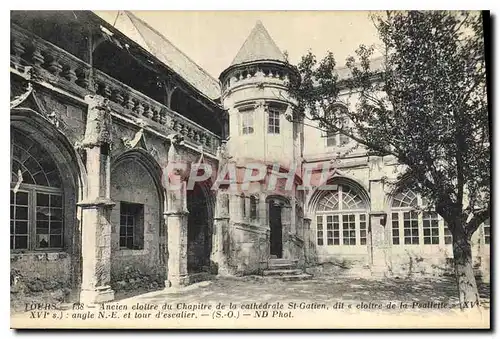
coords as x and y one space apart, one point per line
50 61
250 74
31 50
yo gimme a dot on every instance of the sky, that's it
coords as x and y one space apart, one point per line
213 38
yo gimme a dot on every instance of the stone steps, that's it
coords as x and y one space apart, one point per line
281 263
285 270
281 272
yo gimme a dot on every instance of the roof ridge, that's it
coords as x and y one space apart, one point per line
130 14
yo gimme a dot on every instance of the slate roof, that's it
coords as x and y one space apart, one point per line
160 47
258 46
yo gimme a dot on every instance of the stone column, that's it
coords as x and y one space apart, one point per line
308 254
220 243
286 224
262 213
379 244
379 240
176 217
263 222
97 205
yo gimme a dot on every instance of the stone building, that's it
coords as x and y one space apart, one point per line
99 112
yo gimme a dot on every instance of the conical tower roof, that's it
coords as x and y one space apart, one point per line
258 46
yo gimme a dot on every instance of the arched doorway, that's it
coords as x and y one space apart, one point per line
275 218
199 233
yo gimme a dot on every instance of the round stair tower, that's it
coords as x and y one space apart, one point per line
255 94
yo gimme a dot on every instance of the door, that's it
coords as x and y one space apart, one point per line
276 230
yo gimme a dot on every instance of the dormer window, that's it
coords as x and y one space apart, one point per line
273 125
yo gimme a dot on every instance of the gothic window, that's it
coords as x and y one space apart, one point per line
409 227
247 121
273 125
36 196
131 226
343 212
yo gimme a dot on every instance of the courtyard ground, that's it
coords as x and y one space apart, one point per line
323 289
329 290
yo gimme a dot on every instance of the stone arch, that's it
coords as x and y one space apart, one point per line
71 166
73 181
341 217
337 180
138 233
280 199
148 162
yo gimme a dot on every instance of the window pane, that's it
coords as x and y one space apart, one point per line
55 200
55 214
395 229
42 240
42 199
130 242
410 223
21 213
431 227
42 213
21 198
56 227
56 241
273 121
21 227
21 242
348 227
131 225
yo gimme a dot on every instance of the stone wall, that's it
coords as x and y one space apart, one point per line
45 276
249 248
131 182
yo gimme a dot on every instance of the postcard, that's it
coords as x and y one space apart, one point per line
248 170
